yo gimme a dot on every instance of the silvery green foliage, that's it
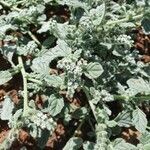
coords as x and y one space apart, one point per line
5 76
55 105
30 48
124 119
102 95
92 54
7 109
120 144
139 120
102 139
73 144
39 123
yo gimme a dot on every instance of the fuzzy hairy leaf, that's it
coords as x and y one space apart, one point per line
74 3
41 63
8 51
5 76
124 119
88 145
55 105
139 120
146 25
73 144
146 147
93 70
6 112
145 138
39 66
97 14
120 144
139 86
54 80
43 139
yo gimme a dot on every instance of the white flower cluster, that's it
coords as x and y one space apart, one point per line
86 22
131 59
52 24
41 120
71 66
102 137
106 96
30 48
74 71
125 39
102 95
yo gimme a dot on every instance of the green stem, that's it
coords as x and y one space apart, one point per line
141 98
25 96
9 6
124 19
35 81
89 101
34 38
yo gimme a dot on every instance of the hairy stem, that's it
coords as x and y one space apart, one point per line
35 81
9 6
89 101
34 38
134 98
25 96
125 19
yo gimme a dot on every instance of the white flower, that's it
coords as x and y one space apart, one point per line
37 122
44 117
39 114
43 125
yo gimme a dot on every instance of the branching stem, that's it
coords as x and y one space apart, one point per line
25 96
9 6
35 81
124 19
89 101
34 38
134 98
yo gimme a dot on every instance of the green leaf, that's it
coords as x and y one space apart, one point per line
94 17
146 25
8 51
74 3
39 66
120 144
42 62
146 147
97 14
139 86
62 49
140 2
54 80
139 120
42 140
124 119
93 70
7 109
88 145
45 27
145 138
55 105
73 144
5 76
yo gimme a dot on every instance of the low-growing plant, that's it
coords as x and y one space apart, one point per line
88 51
